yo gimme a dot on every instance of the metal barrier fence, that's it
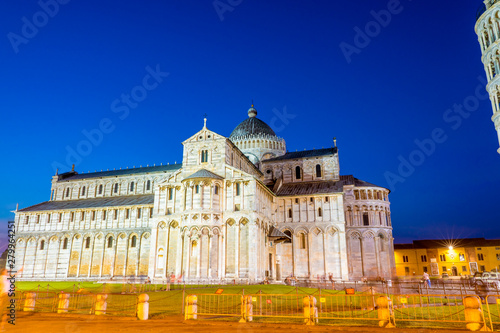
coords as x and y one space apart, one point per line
491 308
82 303
436 310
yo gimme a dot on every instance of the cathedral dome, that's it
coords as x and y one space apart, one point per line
252 126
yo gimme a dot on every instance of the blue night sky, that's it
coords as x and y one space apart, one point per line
417 77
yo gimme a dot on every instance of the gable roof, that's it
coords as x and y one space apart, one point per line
304 154
129 200
203 173
124 172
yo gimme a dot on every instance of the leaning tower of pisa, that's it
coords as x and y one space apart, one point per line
488 31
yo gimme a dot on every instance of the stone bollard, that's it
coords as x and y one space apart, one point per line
191 307
384 311
310 310
143 307
246 309
473 314
29 303
101 304
63 305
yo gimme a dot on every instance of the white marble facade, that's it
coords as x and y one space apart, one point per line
237 208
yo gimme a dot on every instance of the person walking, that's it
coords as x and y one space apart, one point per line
427 279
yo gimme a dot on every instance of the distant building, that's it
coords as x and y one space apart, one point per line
488 31
455 257
237 208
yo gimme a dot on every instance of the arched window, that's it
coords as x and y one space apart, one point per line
238 188
297 172
133 241
110 242
116 188
65 243
83 191
67 192
197 189
171 193
100 189
148 185
289 234
318 171
204 156
87 242
42 244
365 219
216 189
131 186
289 213
320 213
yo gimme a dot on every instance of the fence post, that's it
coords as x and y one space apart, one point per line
183 295
63 304
143 307
30 302
384 310
260 302
191 311
246 308
473 314
310 310
101 304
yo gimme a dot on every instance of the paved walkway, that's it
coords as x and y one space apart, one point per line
52 323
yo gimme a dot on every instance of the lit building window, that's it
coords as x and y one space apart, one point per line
318 171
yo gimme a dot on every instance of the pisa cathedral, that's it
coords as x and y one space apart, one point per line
237 208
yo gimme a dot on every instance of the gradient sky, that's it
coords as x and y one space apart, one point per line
400 85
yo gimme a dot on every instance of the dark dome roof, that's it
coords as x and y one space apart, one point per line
252 126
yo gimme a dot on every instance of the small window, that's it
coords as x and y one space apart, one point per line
151 212
311 199
442 257
127 213
482 268
104 215
87 242
27 220
93 215
132 186
296 200
171 193
148 185
326 199
464 269
423 258
498 256
405 258
297 172
425 269
60 217
72 216
480 257
237 207
139 213
204 156
65 244
290 213
318 171
133 241
67 192
407 270
100 189
444 269
479 249
320 213
110 242
115 214
116 188
238 188
366 220
37 218
48 218
83 191
216 189
302 240
197 189
42 244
